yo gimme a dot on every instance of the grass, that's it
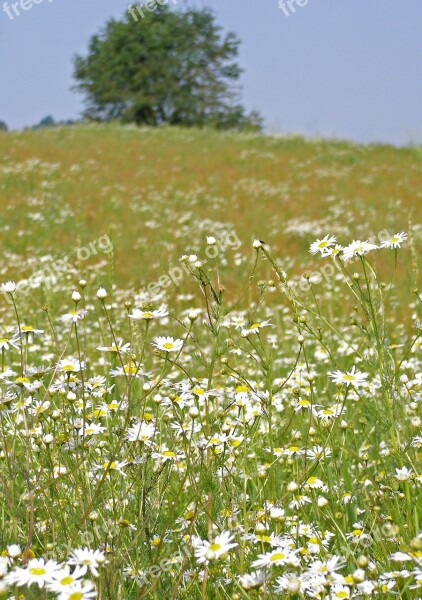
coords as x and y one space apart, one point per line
244 429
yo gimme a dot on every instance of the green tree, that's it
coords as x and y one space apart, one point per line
3 126
168 67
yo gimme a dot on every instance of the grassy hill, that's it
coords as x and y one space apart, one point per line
159 192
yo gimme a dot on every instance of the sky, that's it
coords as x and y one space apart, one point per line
348 69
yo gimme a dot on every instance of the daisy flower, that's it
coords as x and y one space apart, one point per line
64 579
253 581
168 344
70 365
6 344
37 571
80 591
357 248
206 551
322 245
85 557
255 327
395 241
9 287
277 557
353 377
73 316
148 315
121 347
141 432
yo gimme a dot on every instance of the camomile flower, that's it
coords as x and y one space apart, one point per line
357 248
403 474
255 327
109 466
148 315
322 245
141 432
29 331
7 343
395 241
37 571
206 551
353 377
73 316
277 557
168 344
84 590
339 592
9 287
85 557
121 347
70 365
253 581
64 579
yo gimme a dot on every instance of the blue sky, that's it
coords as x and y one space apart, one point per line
345 68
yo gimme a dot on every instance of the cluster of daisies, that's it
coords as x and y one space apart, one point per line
207 451
327 246
66 581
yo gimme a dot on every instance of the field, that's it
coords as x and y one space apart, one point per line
203 394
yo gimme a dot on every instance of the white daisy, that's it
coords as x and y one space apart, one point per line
206 551
168 344
395 241
353 377
322 245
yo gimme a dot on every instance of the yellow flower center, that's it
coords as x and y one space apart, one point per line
37 571
168 345
277 556
215 547
66 580
169 453
76 596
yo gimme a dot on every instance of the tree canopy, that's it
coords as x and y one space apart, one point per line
174 67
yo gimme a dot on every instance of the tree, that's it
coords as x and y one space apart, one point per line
3 126
170 67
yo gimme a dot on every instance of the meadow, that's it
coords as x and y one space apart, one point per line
211 366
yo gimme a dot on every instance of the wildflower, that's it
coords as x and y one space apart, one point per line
277 557
29 331
88 558
64 579
110 465
37 571
84 590
101 293
73 316
395 241
121 347
322 245
9 287
6 344
353 377
148 315
403 474
168 344
211 241
357 248
141 432
253 581
257 244
70 365
206 551
255 327
76 296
